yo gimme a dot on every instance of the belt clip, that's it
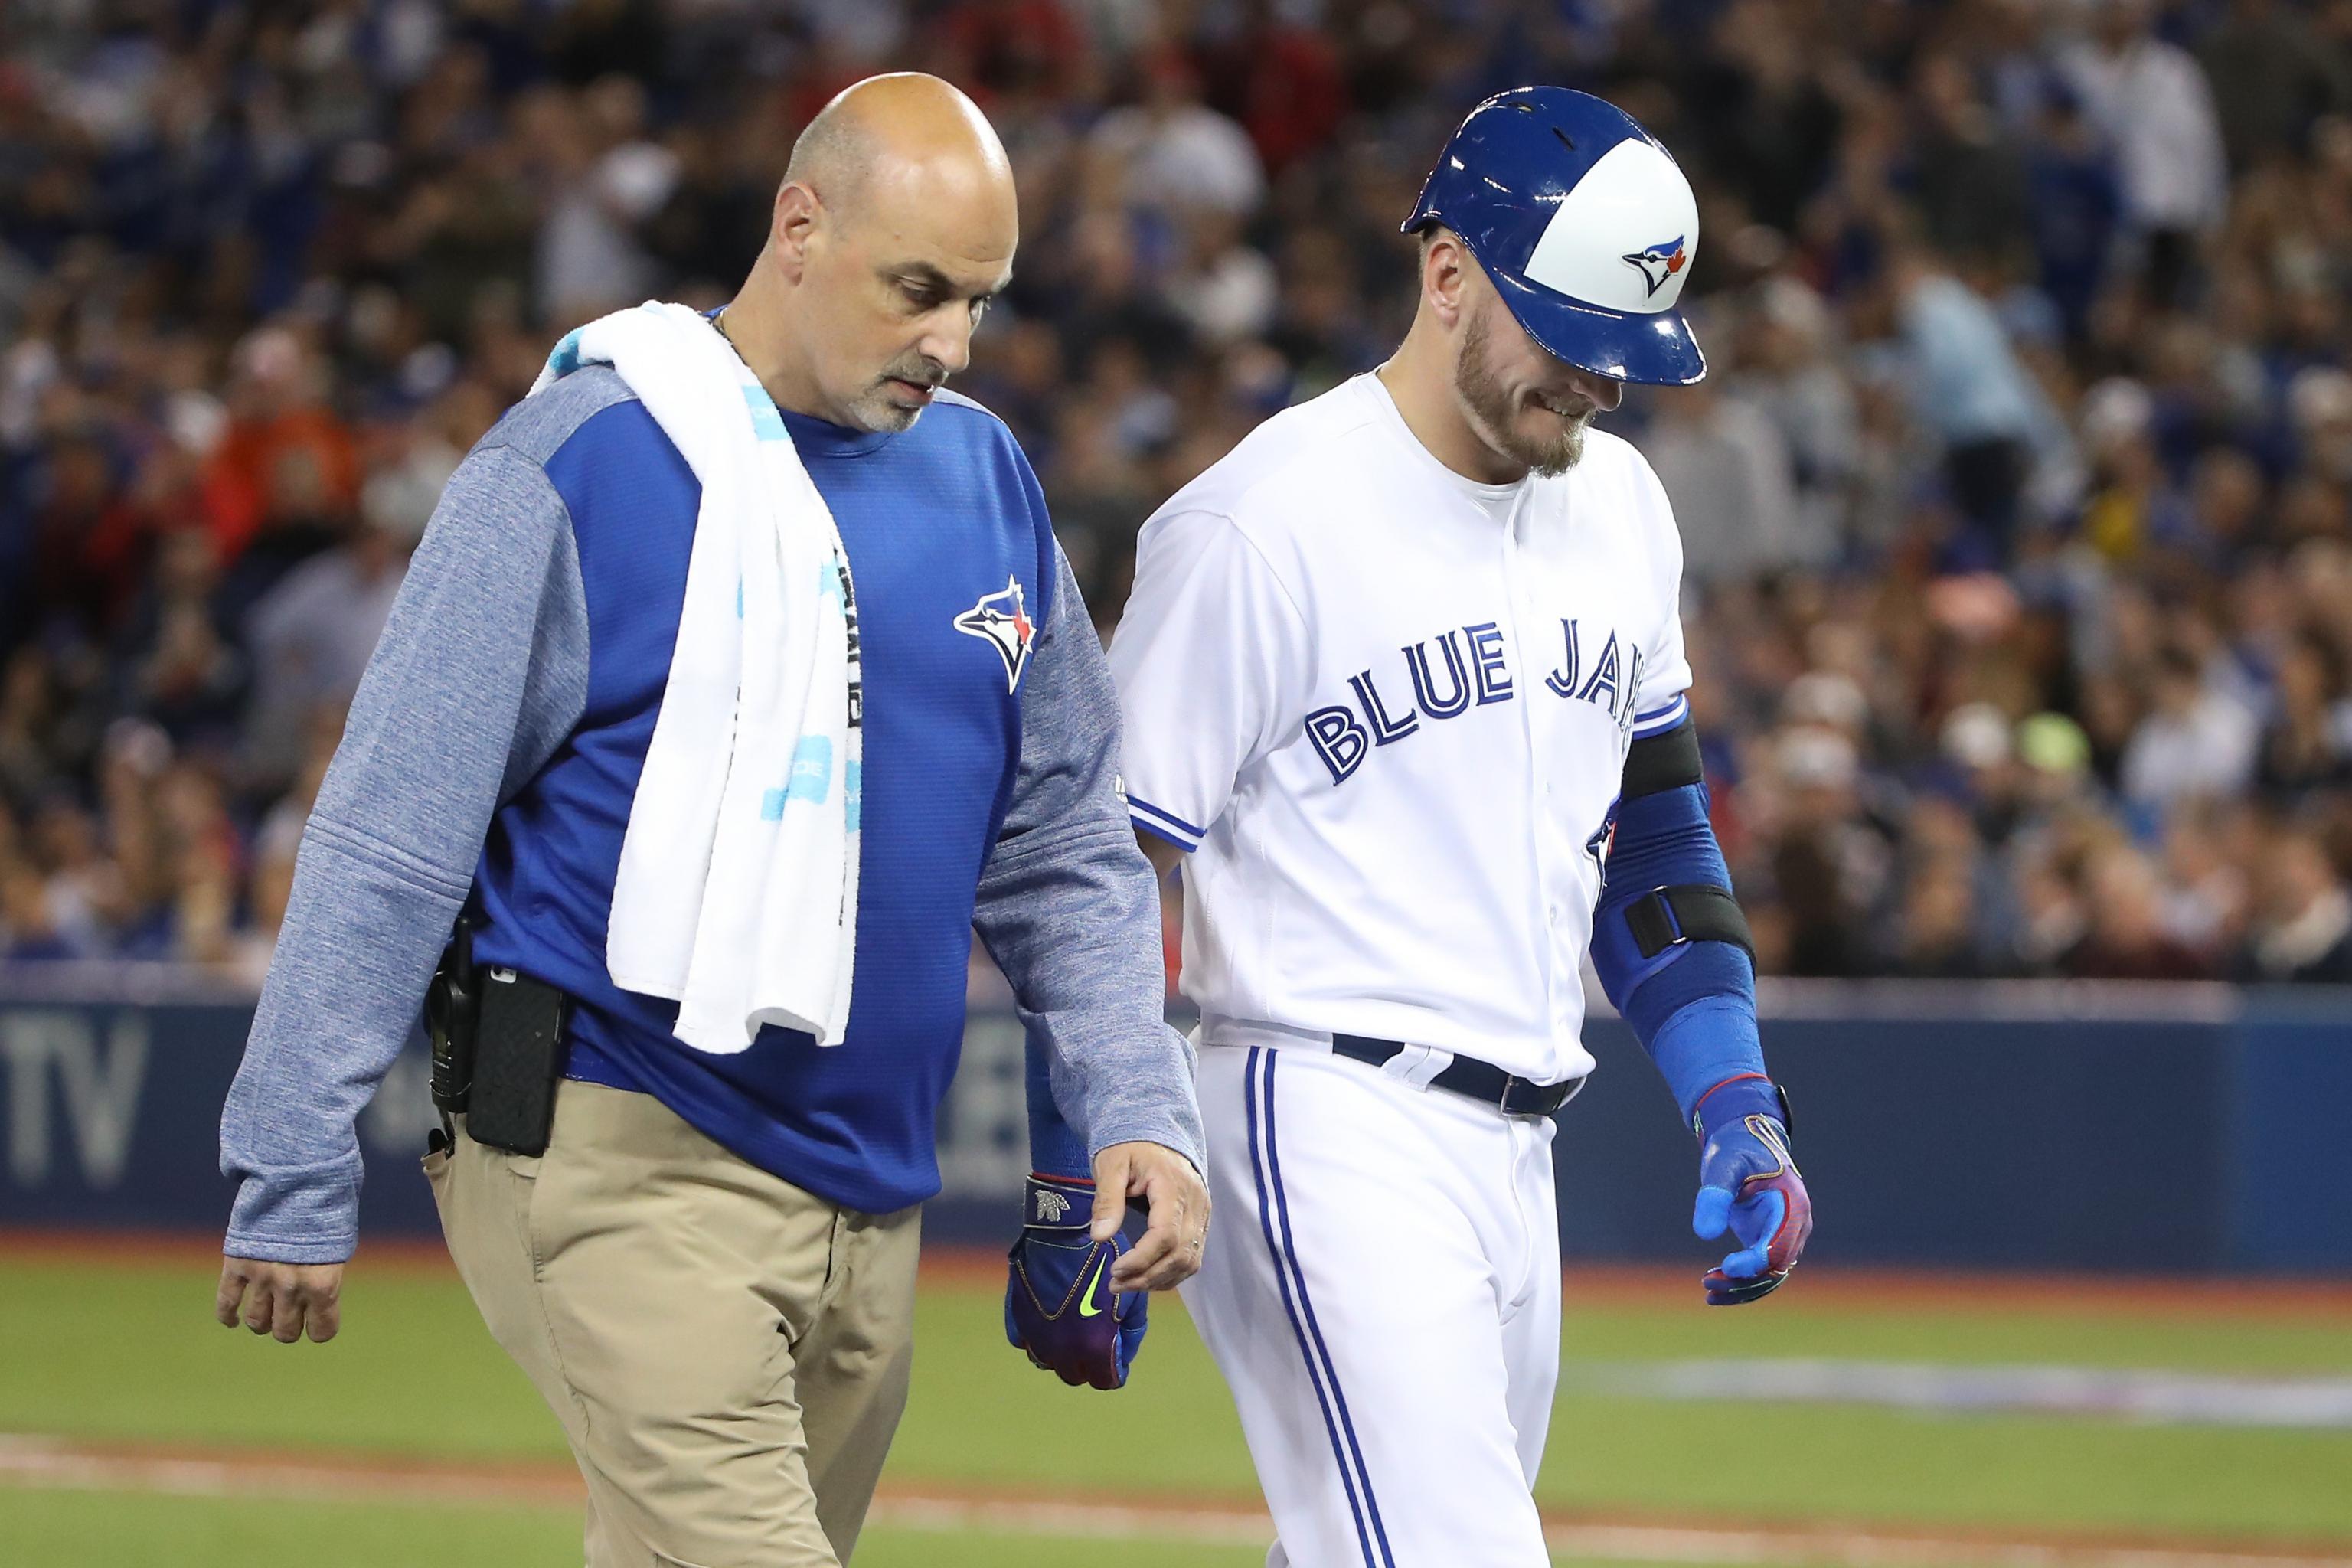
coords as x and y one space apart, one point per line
1503 1101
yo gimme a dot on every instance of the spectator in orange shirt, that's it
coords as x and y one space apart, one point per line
276 407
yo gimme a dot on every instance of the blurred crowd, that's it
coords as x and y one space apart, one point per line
2015 505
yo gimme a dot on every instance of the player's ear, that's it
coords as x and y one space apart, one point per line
1445 275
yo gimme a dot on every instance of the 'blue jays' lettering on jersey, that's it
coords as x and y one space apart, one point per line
1477 672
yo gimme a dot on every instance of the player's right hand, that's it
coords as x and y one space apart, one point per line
280 1300
1059 1305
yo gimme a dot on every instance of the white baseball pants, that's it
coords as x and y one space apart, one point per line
1382 1291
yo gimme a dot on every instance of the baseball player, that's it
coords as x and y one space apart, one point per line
1404 685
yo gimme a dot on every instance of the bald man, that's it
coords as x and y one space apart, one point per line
707 1262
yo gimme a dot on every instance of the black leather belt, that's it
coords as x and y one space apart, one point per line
1481 1081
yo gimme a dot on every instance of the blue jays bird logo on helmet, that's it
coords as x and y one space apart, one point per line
1659 262
1561 197
1002 621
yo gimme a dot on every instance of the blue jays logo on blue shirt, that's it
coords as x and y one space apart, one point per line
1002 621
1659 262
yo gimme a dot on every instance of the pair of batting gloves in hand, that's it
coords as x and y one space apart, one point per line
1058 1303
1749 1186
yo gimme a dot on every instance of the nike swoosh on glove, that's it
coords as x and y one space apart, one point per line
1748 1185
1058 1303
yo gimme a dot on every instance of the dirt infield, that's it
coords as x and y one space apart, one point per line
1605 1285
57 1465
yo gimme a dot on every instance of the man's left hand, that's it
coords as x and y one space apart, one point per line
1748 1185
1059 1306
1174 1198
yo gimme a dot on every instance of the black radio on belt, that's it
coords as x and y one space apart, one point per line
498 1048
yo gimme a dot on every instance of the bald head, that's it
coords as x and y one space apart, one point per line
895 225
905 136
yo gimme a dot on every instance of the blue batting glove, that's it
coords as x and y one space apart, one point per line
1748 1185
1058 1303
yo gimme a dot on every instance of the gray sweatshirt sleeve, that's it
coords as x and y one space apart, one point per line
481 672
1070 909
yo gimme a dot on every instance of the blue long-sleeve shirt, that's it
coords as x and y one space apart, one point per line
492 756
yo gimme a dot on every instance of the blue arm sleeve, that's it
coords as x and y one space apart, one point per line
1692 1005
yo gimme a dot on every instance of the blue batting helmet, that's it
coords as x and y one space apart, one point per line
1585 224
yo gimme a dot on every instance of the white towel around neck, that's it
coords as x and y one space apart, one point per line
737 895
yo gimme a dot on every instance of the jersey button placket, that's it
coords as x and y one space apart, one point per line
1566 898
1533 728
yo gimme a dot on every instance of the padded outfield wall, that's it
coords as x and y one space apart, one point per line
2131 1128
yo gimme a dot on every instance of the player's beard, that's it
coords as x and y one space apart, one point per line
1493 412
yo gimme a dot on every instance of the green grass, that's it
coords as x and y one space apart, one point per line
1895 1466
113 1530
131 1354
1804 1462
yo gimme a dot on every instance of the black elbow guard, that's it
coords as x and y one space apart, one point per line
1664 846
1656 763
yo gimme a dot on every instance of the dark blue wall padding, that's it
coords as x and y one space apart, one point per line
2138 1129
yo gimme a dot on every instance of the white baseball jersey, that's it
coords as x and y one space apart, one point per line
1387 709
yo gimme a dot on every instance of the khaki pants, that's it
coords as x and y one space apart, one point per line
729 1354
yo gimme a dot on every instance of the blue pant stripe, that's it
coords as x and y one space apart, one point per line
1314 1330
1282 1277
